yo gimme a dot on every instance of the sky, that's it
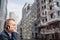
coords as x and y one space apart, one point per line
16 6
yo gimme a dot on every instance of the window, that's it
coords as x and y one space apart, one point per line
43 20
50 1
37 0
45 12
44 1
38 15
46 19
0 3
58 4
58 13
35 24
44 6
38 10
53 36
51 15
36 35
38 4
51 7
28 7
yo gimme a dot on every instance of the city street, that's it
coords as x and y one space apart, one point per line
36 19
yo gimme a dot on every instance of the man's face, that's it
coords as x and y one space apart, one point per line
12 25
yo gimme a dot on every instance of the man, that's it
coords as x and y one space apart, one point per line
9 32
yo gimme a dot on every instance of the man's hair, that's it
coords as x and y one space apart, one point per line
7 22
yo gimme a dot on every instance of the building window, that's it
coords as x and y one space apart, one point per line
46 19
38 10
35 24
37 0
45 12
44 6
50 1
51 7
38 4
53 36
38 15
51 15
28 7
44 1
58 4
43 20
58 13
0 3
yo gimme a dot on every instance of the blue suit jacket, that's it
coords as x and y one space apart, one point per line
4 36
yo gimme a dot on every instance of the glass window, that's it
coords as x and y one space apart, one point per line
58 13
35 24
45 12
51 15
38 15
44 6
50 1
38 10
46 19
42 1
51 7
0 3
43 20
38 4
37 0
53 36
28 7
58 4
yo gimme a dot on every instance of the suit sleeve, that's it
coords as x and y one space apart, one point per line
1 37
15 35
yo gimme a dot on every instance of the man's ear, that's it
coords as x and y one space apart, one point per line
7 27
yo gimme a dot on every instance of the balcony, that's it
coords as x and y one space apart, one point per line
44 24
56 7
51 11
54 20
45 31
43 15
50 31
50 21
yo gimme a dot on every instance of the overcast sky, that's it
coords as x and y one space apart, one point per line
16 6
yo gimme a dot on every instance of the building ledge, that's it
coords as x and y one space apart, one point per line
50 21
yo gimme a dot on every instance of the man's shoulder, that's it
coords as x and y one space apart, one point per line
2 33
3 36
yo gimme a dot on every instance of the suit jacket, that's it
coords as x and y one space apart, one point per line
5 36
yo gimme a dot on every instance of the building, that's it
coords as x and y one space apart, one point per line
3 12
48 12
19 29
14 16
28 18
